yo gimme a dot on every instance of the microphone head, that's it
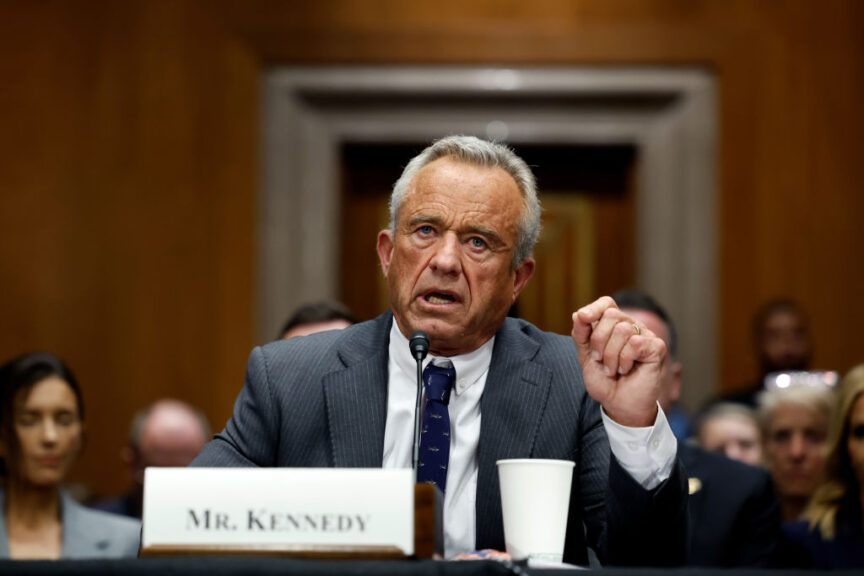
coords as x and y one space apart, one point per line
419 345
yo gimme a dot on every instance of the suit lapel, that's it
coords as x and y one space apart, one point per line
79 542
512 407
698 483
76 541
356 399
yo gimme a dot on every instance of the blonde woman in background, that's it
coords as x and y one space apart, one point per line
832 533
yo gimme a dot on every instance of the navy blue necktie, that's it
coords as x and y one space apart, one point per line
435 436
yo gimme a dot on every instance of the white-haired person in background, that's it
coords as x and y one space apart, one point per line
794 424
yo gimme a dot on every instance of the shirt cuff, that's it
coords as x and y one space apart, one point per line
647 454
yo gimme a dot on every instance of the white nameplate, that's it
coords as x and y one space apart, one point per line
287 509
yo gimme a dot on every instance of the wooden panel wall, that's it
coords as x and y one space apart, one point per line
128 170
128 164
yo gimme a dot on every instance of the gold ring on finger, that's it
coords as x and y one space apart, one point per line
636 329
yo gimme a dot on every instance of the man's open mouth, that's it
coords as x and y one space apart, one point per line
439 298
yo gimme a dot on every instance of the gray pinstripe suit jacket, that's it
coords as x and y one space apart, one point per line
321 401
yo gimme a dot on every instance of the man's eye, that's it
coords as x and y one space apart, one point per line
477 242
858 432
426 230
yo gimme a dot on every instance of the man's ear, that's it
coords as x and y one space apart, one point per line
524 271
385 249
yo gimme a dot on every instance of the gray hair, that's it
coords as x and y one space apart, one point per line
472 150
817 399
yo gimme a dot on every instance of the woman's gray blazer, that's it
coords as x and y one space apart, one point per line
86 533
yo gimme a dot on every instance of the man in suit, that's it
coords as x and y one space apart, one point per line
734 515
464 220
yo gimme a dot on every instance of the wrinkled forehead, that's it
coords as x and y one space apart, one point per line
473 186
453 167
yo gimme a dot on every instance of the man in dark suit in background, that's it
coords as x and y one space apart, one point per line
167 433
734 516
464 220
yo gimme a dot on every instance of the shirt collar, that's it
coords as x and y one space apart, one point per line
470 367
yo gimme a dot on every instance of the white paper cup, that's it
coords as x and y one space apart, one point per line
535 498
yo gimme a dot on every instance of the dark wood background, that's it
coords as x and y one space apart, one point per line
129 164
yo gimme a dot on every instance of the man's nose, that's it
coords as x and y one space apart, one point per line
447 256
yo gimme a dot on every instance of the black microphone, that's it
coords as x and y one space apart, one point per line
419 345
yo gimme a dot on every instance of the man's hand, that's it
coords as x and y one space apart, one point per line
621 362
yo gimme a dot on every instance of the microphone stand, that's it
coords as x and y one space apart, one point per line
419 344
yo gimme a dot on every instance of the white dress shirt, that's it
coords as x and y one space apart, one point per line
646 453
